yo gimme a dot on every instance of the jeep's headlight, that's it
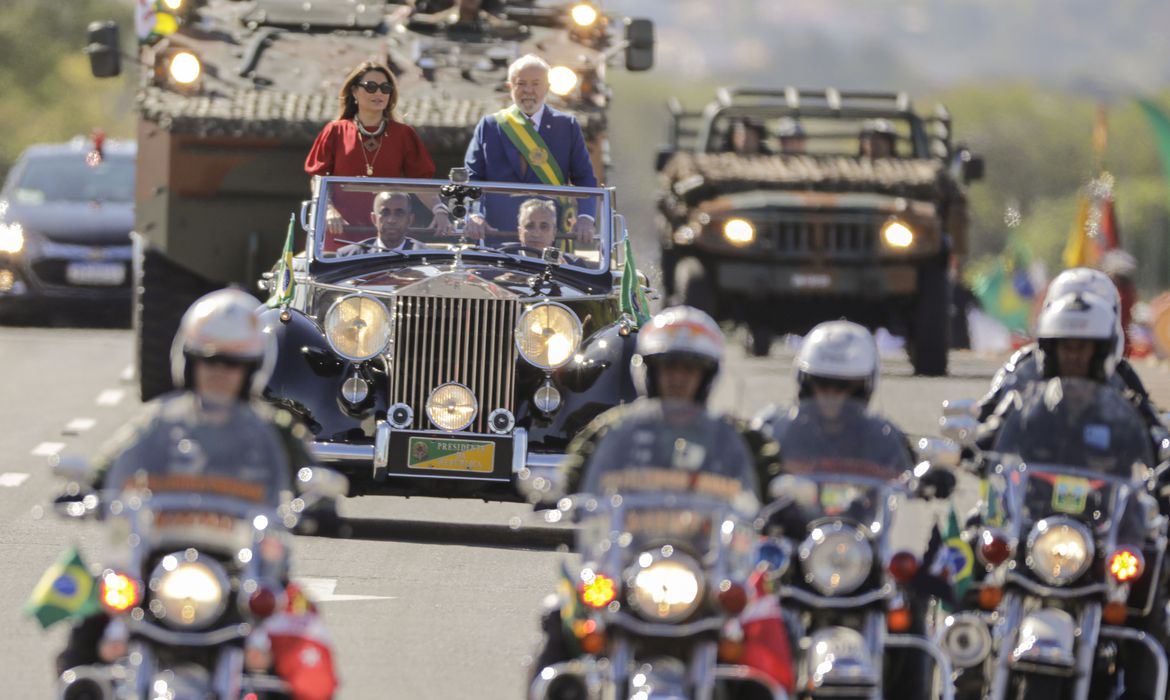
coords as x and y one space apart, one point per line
562 80
185 68
547 335
357 327
1059 550
665 589
836 559
584 14
11 238
739 232
187 593
897 234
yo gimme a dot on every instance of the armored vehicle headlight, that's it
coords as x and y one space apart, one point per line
665 590
584 14
562 80
11 238
739 232
357 327
1059 550
897 234
187 593
452 407
547 335
185 68
836 559
173 5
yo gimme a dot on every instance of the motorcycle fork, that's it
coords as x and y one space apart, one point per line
1089 624
874 631
704 658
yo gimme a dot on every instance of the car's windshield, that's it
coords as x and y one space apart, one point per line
67 177
765 132
372 217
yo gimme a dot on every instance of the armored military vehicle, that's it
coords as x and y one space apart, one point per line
779 209
233 92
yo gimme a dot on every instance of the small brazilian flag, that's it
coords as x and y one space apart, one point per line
572 612
282 293
66 590
633 301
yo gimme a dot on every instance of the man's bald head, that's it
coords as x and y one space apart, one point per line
392 216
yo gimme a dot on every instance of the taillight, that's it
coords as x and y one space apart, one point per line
598 591
732 597
119 592
1126 564
898 619
994 547
903 567
262 602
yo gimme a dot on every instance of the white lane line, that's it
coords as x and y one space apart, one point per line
320 590
48 449
110 397
78 426
12 479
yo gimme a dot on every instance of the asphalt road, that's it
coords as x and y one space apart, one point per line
430 598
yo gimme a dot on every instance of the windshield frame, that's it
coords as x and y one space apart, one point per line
323 186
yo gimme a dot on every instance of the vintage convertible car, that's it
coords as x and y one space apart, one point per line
450 365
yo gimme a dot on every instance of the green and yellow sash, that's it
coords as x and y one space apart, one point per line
523 135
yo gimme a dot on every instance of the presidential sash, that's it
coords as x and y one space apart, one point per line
522 133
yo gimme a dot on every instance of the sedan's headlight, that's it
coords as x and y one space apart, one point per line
187 593
665 589
357 327
562 80
547 335
739 232
897 234
836 559
1059 550
11 238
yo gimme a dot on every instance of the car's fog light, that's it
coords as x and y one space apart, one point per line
400 416
547 398
451 407
501 421
355 390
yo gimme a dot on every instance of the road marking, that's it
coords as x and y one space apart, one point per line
12 479
78 426
127 374
110 397
320 590
48 449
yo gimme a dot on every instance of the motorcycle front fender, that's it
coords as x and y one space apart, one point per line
1045 640
839 657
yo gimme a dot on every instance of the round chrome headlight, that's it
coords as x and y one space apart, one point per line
836 559
665 589
186 593
357 327
451 407
547 335
1059 550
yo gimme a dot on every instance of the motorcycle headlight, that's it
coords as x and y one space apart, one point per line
562 80
11 238
188 593
836 559
1059 550
665 589
357 327
547 335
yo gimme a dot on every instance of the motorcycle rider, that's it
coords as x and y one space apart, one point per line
211 426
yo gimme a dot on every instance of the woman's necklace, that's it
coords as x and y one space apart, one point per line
371 142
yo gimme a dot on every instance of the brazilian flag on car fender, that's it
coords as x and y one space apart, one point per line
66 590
572 611
282 292
633 301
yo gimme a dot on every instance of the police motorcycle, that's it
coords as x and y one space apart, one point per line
203 562
652 604
847 596
1069 544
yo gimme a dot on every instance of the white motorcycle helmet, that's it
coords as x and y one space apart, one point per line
682 332
1079 315
224 324
838 350
1087 279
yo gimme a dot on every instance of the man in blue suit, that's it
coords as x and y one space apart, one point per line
530 142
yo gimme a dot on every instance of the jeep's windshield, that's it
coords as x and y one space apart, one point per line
767 132
67 177
367 217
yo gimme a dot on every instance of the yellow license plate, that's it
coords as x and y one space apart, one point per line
441 454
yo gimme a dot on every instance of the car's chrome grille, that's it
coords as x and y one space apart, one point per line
439 340
807 236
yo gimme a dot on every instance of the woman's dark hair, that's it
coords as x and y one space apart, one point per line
348 104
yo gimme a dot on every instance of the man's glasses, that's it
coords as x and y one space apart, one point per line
371 87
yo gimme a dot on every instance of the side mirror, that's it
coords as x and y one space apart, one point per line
971 166
73 468
101 45
939 452
959 407
320 482
663 157
960 429
639 44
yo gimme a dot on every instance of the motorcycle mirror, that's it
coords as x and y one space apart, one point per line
940 452
960 407
960 429
75 504
322 483
70 467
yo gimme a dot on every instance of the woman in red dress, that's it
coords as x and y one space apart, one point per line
368 140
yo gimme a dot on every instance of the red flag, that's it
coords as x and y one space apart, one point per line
765 639
301 652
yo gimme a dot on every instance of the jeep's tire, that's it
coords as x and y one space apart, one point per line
759 339
930 330
692 285
162 292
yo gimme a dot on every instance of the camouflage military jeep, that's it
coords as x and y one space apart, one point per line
779 209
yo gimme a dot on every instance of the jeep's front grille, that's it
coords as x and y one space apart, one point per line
439 340
845 236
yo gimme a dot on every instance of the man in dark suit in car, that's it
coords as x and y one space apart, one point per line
392 216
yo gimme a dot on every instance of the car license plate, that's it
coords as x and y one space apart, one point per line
103 274
443 454
811 280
